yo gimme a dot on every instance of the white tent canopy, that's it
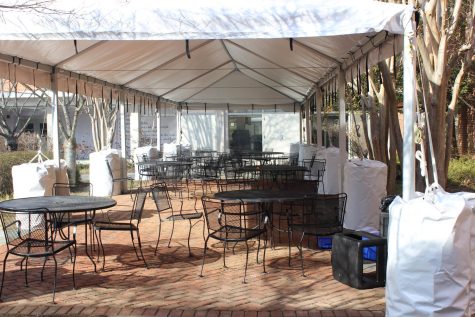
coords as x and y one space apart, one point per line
246 52
262 52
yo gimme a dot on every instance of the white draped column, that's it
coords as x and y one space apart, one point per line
409 161
342 132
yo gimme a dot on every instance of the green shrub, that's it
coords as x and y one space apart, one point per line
462 173
7 160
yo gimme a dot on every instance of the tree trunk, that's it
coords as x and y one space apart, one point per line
11 143
70 158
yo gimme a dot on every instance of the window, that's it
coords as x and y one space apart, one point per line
43 129
30 128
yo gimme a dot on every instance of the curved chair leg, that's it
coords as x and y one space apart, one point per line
3 272
103 252
21 264
133 244
55 274
247 259
264 253
26 272
189 236
171 233
202 263
140 248
290 237
43 268
225 245
258 248
301 252
98 248
74 265
159 232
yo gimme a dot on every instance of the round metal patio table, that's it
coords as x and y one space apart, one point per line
66 204
262 195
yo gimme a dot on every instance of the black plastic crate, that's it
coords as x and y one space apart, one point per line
348 261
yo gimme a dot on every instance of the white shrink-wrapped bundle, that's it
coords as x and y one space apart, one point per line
33 180
332 166
61 175
306 151
429 260
99 175
169 150
365 184
61 172
144 152
294 153
470 198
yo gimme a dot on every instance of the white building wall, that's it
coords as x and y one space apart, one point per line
279 130
204 130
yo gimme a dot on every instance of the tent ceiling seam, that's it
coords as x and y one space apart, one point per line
270 87
228 53
197 77
269 61
279 83
214 82
317 52
74 56
167 62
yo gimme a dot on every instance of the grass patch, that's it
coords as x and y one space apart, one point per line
461 174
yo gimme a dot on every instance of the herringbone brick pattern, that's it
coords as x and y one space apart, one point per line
171 287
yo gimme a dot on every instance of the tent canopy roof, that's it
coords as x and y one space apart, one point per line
263 52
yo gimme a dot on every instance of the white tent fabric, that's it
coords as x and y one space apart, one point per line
212 19
240 53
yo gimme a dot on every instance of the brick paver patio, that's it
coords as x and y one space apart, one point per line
171 287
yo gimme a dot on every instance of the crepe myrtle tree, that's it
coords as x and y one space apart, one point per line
70 107
103 115
18 103
445 47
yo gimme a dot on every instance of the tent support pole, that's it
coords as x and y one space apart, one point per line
55 119
408 162
300 125
123 148
159 127
342 132
317 96
308 125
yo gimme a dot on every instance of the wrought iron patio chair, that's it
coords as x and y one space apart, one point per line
282 211
120 180
316 170
65 220
163 202
320 215
132 226
234 222
30 234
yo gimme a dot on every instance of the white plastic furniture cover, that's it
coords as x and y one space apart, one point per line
99 176
365 184
430 256
332 166
37 179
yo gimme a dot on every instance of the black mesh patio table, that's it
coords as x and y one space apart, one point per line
66 204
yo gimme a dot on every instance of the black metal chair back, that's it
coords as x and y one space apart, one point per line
322 215
66 189
161 197
234 221
30 234
137 209
27 230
